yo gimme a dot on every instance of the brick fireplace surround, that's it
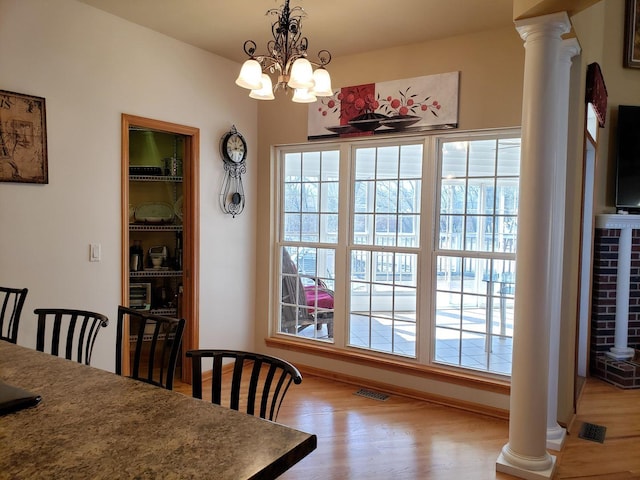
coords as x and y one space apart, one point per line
608 260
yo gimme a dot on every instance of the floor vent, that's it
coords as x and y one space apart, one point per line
363 392
590 431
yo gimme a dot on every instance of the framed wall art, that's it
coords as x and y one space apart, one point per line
399 106
23 138
632 34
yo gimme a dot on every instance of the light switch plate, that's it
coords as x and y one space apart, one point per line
94 252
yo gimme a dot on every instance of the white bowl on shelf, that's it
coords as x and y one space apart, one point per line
156 261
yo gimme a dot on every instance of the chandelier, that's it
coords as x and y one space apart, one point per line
287 61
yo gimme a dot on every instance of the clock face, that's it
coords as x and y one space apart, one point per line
235 148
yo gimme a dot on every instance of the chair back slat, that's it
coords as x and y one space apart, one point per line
12 302
253 387
71 331
57 325
83 345
281 390
197 379
162 335
70 334
216 380
254 377
138 331
236 382
266 392
91 336
154 344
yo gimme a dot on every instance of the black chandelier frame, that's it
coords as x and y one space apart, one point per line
287 46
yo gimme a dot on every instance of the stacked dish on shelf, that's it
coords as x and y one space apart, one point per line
153 212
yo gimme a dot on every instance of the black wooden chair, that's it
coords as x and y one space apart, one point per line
257 380
68 332
155 345
11 303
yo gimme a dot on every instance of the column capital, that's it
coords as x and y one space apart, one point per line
552 24
569 48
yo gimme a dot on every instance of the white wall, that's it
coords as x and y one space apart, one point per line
91 67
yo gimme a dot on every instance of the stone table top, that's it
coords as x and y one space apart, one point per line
93 424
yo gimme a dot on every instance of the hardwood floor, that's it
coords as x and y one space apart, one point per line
615 459
406 439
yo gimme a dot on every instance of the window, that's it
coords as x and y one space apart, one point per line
309 231
475 256
443 277
384 248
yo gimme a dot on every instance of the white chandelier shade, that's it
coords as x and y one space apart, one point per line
266 91
303 95
301 74
250 75
322 83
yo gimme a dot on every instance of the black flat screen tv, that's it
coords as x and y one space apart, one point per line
628 159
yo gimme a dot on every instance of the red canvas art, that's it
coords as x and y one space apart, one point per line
405 105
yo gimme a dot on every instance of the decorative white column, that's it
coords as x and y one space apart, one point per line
525 456
625 223
555 433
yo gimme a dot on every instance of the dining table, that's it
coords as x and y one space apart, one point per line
94 424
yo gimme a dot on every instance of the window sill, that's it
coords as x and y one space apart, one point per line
425 371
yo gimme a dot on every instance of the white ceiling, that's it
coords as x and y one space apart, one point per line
343 27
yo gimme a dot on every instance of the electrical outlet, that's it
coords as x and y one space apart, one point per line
94 252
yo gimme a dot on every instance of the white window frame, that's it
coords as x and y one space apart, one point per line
481 345
428 251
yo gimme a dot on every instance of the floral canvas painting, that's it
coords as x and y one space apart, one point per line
409 105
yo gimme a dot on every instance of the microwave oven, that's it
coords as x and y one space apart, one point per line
140 296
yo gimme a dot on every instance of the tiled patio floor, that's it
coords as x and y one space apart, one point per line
466 348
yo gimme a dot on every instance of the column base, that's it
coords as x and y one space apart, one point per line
525 467
620 353
556 437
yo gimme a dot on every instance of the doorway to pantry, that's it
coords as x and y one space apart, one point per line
160 225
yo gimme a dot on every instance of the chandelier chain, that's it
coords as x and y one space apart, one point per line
288 44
